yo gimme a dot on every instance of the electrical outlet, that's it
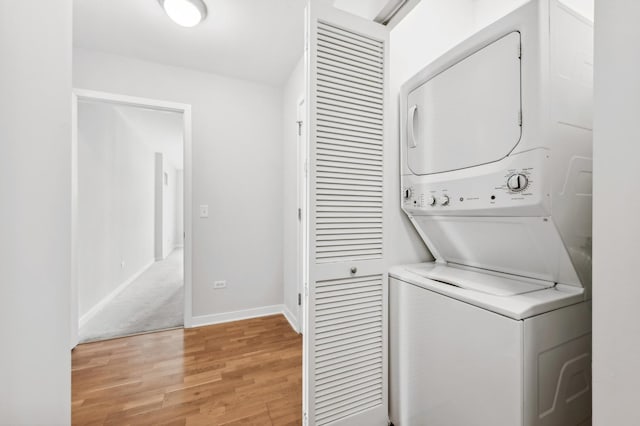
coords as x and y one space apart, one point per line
219 284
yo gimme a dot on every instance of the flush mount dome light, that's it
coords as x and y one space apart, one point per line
187 13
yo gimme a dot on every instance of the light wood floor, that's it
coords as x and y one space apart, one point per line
244 372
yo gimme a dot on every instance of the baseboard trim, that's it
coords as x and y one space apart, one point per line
173 248
109 297
202 320
291 318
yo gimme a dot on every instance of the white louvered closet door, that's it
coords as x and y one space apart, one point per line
345 362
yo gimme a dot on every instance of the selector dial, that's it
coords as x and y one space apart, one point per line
517 182
444 200
407 193
431 200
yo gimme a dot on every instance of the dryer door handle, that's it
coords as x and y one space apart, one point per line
411 123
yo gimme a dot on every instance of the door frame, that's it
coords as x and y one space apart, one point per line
302 158
155 104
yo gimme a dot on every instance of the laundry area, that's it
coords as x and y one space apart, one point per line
321 213
495 150
500 322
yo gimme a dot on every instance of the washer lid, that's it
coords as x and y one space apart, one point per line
483 282
514 297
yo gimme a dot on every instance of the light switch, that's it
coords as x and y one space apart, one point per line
204 210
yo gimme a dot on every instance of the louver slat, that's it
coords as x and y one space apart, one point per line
348 351
327 105
329 31
348 147
348 354
347 407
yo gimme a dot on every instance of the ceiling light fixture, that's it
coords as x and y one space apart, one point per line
187 13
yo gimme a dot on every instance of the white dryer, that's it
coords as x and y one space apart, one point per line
496 177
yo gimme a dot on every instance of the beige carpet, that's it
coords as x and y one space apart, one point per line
154 301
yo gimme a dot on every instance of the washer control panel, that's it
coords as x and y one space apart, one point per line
492 189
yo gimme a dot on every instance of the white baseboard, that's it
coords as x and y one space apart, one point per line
202 320
291 318
109 297
171 250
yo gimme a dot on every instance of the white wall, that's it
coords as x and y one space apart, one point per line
35 212
158 206
488 11
115 202
169 207
135 210
237 171
368 9
179 236
616 289
293 92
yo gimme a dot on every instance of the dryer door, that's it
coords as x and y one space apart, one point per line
468 114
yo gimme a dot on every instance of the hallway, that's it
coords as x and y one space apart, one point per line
243 372
154 301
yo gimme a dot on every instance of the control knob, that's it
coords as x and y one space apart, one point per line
517 182
407 193
444 200
431 200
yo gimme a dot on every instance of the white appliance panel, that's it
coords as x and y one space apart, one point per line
483 190
571 82
469 113
527 297
558 391
452 364
482 282
535 248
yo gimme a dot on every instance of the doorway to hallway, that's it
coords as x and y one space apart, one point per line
131 187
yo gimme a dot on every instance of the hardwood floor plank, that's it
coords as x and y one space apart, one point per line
282 413
243 372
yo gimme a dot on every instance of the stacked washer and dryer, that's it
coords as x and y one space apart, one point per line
496 153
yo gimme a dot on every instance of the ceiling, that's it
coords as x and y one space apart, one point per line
365 8
257 40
